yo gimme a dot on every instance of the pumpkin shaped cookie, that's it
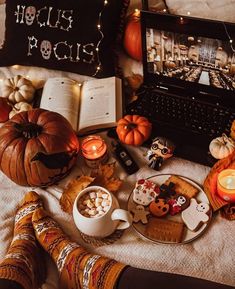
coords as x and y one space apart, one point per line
159 207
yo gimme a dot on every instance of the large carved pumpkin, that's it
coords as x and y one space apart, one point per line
37 148
133 129
132 36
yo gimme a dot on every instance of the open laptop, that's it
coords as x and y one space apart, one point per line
189 81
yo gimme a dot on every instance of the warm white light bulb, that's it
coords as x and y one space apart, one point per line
230 40
188 13
98 26
105 2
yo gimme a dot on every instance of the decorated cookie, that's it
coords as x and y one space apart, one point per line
167 191
182 187
178 204
145 192
159 207
195 215
140 214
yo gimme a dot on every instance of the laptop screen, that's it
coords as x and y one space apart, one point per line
188 52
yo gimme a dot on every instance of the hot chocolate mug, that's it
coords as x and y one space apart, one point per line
102 225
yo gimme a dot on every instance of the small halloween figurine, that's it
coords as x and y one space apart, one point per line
160 150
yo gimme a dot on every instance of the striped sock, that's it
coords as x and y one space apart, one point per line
23 261
77 267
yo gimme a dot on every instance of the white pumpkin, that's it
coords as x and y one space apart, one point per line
221 147
18 89
20 106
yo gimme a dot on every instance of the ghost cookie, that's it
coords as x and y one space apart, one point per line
140 214
195 215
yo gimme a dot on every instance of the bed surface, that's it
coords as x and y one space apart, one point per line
212 256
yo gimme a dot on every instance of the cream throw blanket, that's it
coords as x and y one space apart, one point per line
211 257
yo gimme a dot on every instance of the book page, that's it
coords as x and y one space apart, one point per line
62 95
98 108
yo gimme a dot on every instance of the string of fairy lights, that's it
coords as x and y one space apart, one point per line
99 27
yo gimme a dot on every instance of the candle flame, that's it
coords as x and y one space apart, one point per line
94 148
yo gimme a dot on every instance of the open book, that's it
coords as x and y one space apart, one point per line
88 106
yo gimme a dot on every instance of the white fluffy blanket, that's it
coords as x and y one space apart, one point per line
214 251
211 257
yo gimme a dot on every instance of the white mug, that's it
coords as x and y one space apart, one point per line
101 226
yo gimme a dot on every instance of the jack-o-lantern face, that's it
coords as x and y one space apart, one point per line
159 207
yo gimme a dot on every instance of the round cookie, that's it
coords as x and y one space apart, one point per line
159 207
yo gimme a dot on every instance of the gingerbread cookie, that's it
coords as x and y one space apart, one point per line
140 214
195 215
159 207
145 192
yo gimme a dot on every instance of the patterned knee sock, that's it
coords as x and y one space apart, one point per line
24 256
77 267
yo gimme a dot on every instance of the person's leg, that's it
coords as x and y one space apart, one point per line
134 278
77 267
9 284
23 261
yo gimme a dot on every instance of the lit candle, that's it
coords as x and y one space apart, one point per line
94 150
226 185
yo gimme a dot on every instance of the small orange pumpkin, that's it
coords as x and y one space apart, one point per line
133 129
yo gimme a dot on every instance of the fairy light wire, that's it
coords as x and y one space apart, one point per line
101 38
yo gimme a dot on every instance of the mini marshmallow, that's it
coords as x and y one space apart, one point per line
99 194
90 204
92 195
100 208
92 212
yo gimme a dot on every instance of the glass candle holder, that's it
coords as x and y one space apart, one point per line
226 185
94 151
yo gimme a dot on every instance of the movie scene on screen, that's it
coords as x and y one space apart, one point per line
191 58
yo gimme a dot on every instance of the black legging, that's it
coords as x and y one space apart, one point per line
133 278
8 284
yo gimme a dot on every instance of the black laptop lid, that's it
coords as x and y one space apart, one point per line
190 55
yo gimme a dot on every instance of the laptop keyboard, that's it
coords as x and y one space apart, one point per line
197 117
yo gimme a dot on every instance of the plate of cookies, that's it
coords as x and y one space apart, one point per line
169 209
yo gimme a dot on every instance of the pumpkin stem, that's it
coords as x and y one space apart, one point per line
131 126
29 130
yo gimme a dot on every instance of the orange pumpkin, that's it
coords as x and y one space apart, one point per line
132 36
37 148
133 129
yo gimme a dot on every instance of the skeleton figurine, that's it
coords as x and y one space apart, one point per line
160 150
